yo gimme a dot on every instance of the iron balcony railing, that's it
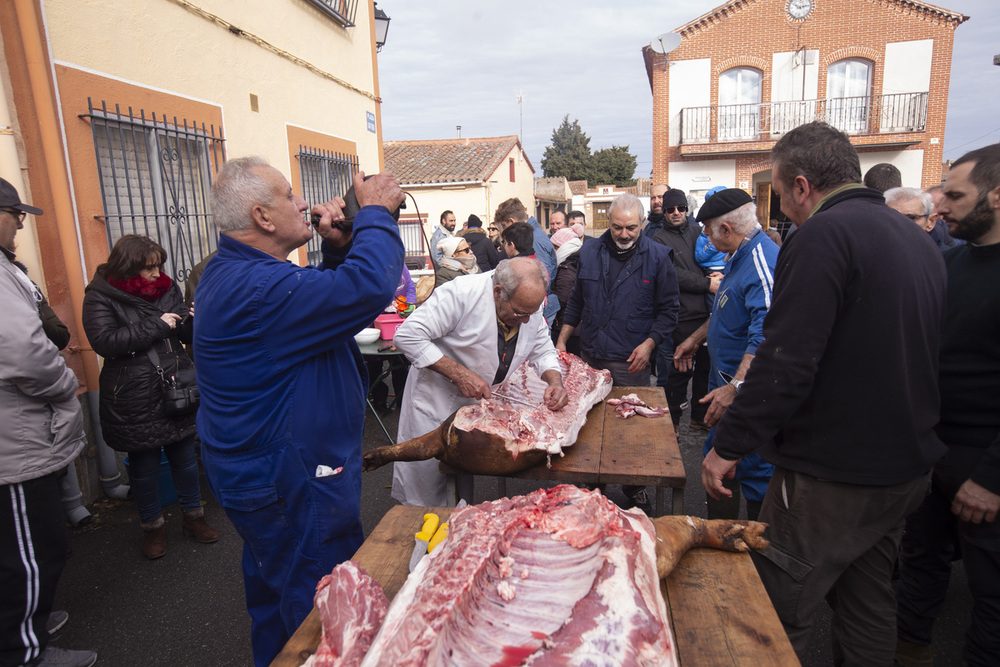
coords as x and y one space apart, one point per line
872 114
342 11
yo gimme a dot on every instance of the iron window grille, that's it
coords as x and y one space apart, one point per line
155 178
325 175
342 11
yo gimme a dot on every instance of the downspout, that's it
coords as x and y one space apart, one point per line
42 80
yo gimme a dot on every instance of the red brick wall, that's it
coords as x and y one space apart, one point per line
749 31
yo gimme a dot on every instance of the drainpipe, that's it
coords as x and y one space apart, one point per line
72 498
107 463
56 179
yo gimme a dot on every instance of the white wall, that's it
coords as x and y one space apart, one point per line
701 175
910 164
786 81
690 86
908 67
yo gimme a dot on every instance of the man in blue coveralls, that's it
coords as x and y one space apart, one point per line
282 381
734 330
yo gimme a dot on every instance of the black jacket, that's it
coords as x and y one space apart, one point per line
691 278
121 328
845 384
482 247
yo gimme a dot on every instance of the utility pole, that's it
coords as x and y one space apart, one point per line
520 111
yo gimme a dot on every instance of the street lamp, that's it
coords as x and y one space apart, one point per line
381 28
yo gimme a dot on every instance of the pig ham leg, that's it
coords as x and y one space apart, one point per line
425 447
676 535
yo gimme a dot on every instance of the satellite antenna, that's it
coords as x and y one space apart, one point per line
664 44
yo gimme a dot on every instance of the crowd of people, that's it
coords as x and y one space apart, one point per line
847 376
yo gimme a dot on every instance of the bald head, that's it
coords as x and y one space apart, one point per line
518 289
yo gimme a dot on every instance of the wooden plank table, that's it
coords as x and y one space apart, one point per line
719 610
612 450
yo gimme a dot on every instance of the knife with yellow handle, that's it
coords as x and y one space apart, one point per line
438 538
422 539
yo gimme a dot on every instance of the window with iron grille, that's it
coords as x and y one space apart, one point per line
342 11
325 175
155 178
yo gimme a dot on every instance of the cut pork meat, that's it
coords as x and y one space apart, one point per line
351 607
523 428
630 404
558 577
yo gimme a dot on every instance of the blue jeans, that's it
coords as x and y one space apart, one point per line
144 478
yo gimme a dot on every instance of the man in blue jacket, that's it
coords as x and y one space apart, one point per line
282 381
734 331
625 301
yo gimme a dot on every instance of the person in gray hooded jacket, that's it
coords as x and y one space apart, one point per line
42 433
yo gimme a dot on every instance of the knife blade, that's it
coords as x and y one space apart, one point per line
514 400
422 539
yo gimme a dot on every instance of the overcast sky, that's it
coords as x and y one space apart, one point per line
456 62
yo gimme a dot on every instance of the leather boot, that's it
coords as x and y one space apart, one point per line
154 540
194 524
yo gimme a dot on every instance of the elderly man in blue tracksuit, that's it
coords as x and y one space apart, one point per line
734 330
625 303
282 381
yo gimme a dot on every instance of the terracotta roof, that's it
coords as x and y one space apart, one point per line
448 160
578 187
727 9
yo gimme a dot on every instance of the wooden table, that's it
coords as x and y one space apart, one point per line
719 610
612 450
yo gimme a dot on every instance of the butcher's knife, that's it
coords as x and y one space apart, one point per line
512 399
438 538
422 539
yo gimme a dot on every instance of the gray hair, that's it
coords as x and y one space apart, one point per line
238 187
510 274
894 195
628 204
741 220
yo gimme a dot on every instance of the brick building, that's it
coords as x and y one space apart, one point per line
749 70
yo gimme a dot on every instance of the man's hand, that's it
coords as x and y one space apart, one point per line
714 469
720 399
684 355
714 280
555 397
975 504
330 213
379 190
470 384
639 358
563 338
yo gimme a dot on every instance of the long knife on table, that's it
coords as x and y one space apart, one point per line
423 538
514 400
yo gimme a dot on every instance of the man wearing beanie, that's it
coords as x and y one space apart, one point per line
682 236
734 331
486 253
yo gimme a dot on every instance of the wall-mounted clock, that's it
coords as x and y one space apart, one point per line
799 9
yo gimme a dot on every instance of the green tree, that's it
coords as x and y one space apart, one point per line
612 165
569 153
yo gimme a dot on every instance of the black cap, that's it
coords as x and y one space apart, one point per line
674 197
10 199
723 202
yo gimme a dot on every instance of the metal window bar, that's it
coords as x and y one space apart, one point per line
324 175
155 178
871 114
412 234
342 11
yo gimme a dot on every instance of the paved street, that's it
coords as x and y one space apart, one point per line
187 608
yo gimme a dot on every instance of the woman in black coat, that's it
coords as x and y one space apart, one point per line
130 309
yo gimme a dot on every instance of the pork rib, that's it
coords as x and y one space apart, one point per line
351 607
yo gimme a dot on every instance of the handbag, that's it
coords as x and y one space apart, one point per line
180 390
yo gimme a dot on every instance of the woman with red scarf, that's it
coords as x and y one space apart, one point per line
131 308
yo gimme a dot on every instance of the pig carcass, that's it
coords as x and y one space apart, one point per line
560 576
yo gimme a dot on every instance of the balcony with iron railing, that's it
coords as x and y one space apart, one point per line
869 115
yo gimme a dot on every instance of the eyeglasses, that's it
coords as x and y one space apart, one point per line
463 250
671 209
494 229
20 215
914 217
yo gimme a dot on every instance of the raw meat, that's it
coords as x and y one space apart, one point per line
351 607
558 577
524 429
631 404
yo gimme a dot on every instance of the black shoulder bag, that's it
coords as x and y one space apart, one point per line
180 390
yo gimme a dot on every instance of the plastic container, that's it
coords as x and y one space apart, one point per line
168 492
387 324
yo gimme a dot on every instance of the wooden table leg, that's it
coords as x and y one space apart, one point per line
678 501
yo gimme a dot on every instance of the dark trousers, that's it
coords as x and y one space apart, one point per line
933 537
836 542
33 549
675 382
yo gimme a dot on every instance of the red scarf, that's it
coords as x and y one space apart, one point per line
147 290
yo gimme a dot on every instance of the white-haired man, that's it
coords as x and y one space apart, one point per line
914 203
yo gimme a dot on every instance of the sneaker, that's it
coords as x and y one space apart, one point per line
685 405
57 619
641 500
696 425
61 657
